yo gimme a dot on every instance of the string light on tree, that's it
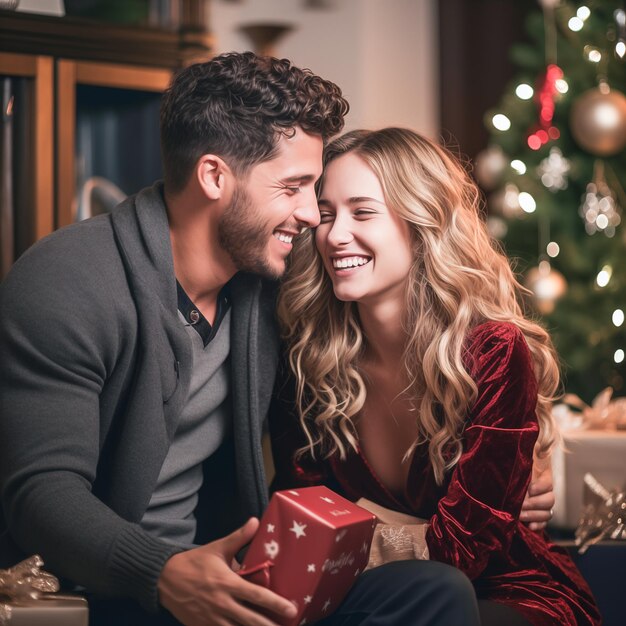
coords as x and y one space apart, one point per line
620 20
553 170
618 357
526 202
575 24
553 249
501 122
593 54
561 86
519 166
604 276
618 317
524 91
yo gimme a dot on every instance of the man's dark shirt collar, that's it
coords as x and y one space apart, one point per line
193 316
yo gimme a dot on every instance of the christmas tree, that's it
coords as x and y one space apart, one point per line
554 173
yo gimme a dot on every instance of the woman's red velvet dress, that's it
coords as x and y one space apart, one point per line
474 515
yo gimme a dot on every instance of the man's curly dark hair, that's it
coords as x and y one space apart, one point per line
236 106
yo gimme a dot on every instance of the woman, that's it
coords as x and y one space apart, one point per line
417 381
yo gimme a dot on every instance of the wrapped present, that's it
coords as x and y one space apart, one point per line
604 515
310 547
598 452
28 598
594 441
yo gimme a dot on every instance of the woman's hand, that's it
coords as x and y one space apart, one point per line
537 508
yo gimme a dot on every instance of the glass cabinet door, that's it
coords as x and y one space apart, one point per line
26 153
107 135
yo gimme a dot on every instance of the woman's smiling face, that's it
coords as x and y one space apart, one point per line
366 248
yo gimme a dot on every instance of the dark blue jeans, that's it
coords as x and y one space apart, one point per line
403 593
409 593
418 593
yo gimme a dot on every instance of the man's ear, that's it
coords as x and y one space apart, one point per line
214 176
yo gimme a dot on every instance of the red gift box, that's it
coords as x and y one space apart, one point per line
310 547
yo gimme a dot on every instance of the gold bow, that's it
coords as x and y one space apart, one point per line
24 580
603 414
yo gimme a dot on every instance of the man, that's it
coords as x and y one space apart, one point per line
138 359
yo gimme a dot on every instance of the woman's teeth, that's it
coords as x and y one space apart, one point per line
352 261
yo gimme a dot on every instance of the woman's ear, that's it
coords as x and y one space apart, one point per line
214 176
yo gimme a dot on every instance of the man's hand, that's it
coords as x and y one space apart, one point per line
200 588
537 506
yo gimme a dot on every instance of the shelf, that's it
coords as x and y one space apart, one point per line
81 39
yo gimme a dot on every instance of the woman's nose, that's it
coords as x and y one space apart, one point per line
340 232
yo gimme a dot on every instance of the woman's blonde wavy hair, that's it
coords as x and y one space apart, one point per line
459 279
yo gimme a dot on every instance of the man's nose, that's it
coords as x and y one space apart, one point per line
308 212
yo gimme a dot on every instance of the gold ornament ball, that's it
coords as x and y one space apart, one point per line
547 285
598 121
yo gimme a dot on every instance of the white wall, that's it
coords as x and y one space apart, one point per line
382 53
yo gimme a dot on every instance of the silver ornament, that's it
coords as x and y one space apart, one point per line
599 209
553 170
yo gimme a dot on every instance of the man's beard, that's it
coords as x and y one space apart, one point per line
244 236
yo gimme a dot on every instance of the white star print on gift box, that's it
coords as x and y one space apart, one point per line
298 529
271 549
270 528
310 567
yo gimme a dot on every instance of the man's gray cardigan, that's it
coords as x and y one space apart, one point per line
95 367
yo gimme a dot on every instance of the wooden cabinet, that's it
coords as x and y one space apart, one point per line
80 104
104 99
26 152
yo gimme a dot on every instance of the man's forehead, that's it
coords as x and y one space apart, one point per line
298 158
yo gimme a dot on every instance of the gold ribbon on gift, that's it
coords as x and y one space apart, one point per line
24 580
603 414
604 516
